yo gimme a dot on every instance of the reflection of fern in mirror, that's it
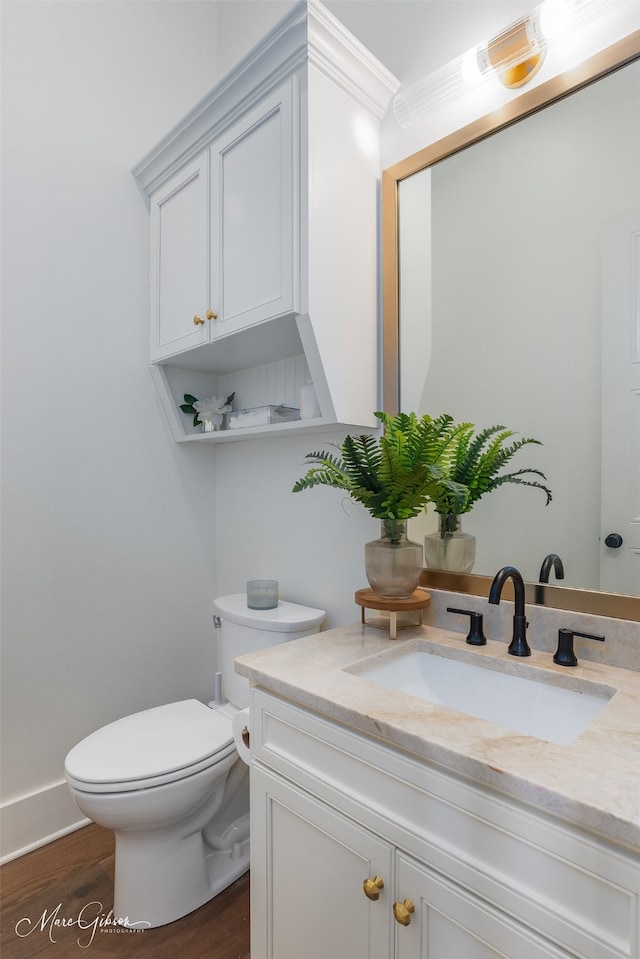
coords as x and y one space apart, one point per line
421 460
394 476
475 462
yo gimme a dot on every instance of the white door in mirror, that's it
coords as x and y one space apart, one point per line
620 503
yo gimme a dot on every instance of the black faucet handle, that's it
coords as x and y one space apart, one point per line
475 636
564 654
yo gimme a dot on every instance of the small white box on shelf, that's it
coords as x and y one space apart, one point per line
261 416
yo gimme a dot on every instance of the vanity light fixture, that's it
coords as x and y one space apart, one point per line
516 54
513 56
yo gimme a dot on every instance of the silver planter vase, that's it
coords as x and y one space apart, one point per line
393 563
449 548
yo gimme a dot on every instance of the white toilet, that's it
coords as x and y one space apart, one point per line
171 785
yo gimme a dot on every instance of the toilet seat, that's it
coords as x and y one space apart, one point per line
152 747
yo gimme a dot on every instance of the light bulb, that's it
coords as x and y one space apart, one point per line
470 68
554 18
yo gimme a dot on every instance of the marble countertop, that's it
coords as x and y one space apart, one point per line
594 782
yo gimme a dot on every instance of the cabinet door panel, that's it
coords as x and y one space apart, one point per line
450 922
179 260
252 239
308 878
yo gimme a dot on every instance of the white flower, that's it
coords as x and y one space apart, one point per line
211 409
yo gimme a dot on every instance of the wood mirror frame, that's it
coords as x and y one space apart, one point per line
617 605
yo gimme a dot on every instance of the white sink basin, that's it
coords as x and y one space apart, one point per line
520 704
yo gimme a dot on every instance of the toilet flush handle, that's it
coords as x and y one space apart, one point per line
245 736
217 622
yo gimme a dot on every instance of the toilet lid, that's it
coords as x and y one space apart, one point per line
151 744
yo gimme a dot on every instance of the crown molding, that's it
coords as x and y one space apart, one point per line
308 34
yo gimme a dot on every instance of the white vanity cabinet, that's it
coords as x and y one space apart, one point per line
264 233
450 921
222 234
461 872
311 871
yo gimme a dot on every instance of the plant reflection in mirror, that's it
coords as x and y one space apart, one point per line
475 461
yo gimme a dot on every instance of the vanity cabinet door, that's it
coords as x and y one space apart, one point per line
308 867
179 261
449 921
255 209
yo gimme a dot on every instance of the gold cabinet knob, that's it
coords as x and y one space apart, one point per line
246 737
211 315
372 888
402 911
198 321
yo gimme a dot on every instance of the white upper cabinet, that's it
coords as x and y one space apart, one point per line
179 288
254 199
264 232
222 229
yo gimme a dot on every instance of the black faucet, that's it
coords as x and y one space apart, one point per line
518 645
551 562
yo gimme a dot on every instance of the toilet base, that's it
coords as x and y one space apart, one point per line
156 886
227 866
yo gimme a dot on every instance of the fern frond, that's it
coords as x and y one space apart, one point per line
517 478
360 463
331 471
315 477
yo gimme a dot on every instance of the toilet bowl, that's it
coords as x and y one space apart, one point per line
170 784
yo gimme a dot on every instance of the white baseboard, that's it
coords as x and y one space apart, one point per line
36 819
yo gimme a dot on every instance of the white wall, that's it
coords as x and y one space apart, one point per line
311 542
243 24
108 527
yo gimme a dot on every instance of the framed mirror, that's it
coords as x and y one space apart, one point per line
507 249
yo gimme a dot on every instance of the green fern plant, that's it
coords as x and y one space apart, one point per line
395 475
475 461
421 460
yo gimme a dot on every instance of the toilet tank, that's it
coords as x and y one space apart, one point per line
243 630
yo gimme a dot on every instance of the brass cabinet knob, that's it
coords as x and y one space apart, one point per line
402 911
198 321
372 888
246 737
211 315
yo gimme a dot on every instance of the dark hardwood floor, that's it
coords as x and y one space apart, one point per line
76 871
